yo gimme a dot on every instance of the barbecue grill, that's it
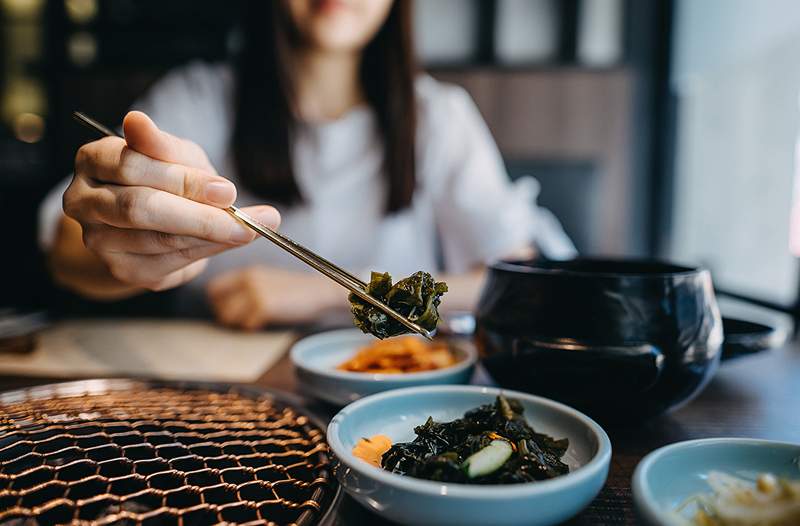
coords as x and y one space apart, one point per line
130 452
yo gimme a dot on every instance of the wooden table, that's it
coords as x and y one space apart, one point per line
756 396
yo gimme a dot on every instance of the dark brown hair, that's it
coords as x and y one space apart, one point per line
264 118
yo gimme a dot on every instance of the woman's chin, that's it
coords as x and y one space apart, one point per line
337 34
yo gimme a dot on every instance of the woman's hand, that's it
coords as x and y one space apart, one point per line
150 206
254 297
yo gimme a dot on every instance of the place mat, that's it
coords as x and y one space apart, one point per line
161 349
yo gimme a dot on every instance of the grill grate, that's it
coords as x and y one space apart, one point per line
123 452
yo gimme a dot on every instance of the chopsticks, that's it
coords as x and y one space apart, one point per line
310 258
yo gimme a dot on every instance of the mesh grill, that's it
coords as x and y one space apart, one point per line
119 452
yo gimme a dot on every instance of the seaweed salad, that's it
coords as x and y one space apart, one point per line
416 297
491 444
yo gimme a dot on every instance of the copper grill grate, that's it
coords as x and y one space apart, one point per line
106 452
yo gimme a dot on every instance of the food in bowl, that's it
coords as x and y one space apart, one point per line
407 354
734 501
409 500
416 297
372 449
317 359
491 444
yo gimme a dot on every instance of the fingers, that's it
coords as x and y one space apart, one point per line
149 258
143 136
237 300
181 276
142 208
97 157
111 161
252 321
151 205
232 309
198 184
253 297
149 271
152 259
225 285
99 237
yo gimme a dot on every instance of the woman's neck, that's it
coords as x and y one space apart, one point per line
327 84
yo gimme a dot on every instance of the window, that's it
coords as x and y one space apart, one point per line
736 79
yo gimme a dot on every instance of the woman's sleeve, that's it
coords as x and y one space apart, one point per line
481 215
190 102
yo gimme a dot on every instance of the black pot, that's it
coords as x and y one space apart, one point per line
619 340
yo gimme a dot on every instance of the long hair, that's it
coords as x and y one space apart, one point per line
265 122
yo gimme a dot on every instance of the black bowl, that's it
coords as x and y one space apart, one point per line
617 339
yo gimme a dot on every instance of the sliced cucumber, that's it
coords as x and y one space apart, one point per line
489 459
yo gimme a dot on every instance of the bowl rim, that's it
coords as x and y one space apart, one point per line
643 496
598 462
520 266
467 362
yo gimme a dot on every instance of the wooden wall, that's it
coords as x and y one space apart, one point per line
564 114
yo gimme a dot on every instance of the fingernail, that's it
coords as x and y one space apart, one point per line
241 234
268 216
220 193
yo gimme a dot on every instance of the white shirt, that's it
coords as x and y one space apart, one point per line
465 211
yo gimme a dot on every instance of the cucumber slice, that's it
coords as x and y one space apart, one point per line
489 459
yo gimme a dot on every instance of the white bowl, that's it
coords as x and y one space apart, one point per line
668 476
316 357
415 501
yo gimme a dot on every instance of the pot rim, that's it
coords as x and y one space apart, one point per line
530 266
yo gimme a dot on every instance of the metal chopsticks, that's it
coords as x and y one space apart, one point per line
322 265
317 262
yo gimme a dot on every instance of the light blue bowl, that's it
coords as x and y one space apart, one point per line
665 478
316 357
415 501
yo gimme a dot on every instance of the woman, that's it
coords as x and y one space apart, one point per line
324 116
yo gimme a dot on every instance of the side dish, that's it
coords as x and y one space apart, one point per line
733 501
491 444
416 297
408 354
372 449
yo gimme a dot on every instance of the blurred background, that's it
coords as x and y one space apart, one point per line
657 128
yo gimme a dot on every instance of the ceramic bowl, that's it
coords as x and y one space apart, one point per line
665 478
415 501
316 357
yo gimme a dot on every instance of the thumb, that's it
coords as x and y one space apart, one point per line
143 136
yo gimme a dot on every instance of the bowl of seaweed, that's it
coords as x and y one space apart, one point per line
468 455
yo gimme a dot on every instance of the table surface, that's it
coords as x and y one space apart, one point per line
754 396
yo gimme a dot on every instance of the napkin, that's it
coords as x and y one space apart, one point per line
173 350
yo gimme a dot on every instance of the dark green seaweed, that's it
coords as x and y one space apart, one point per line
416 297
440 448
